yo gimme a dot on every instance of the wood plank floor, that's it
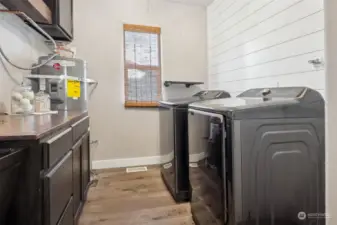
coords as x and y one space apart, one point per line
133 199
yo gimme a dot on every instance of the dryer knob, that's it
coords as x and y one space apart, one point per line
266 91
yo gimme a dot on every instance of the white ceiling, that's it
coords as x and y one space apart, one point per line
194 2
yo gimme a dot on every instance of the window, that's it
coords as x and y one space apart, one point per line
142 67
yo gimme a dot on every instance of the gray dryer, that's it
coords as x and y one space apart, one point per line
261 158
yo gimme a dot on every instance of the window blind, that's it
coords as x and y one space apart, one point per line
142 70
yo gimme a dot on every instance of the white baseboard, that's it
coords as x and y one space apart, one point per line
128 162
140 161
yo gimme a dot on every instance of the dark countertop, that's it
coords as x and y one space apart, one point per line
33 127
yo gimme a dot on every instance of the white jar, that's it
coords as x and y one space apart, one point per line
22 101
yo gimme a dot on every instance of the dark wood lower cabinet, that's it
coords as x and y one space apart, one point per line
67 203
53 174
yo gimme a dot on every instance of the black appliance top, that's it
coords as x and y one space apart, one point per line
259 103
200 96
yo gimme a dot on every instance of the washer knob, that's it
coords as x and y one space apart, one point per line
266 92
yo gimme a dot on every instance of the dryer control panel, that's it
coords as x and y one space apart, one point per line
212 94
275 92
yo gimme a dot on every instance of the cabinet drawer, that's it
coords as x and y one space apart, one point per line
56 147
67 217
58 186
80 128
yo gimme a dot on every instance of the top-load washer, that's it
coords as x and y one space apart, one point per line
174 141
261 158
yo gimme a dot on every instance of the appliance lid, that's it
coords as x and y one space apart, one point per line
278 102
200 96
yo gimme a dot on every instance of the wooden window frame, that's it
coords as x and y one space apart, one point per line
142 29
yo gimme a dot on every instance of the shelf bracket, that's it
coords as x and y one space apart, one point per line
186 83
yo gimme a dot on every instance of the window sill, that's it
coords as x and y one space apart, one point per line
141 105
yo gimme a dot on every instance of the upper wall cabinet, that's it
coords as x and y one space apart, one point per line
35 9
54 16
62 27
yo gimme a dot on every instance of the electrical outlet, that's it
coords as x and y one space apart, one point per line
94 142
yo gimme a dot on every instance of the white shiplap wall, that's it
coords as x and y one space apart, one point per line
264 43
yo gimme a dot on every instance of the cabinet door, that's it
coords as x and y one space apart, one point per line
85 164
67 217
57 189
77 176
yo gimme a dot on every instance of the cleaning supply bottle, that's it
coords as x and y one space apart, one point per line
42 98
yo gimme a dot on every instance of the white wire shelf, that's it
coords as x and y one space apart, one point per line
60 77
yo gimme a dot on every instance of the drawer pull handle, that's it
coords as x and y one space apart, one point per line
59 165
80 121
58 136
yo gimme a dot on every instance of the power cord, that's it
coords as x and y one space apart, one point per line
92 90
39 29
93 179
